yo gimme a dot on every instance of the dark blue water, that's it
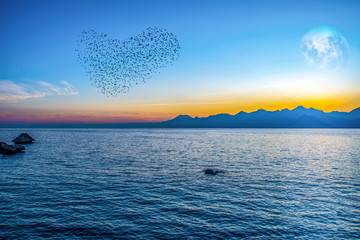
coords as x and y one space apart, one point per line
149 184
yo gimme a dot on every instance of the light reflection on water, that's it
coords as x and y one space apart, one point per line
149 183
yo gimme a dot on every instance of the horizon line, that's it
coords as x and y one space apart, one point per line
146 122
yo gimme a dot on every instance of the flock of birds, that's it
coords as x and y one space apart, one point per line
115 66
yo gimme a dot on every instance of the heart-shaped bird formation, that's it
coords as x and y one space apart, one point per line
115 66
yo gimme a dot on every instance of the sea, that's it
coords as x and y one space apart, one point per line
150 184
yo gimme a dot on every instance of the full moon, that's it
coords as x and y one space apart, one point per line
325 48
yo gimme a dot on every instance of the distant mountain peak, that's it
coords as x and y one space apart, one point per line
183 117
298 108
240 113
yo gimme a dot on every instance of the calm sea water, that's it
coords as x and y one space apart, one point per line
150 184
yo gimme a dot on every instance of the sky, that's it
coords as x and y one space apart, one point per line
235 56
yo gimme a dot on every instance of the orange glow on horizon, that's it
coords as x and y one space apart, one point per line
157 112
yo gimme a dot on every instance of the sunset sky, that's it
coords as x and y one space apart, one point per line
235 56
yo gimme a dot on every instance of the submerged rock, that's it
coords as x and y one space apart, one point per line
10 149
24 138
210 171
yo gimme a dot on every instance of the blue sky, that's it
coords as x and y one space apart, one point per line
235 55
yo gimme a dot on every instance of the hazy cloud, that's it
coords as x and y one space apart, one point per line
11 91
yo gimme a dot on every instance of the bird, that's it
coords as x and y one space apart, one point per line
115 66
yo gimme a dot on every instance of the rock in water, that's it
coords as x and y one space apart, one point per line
211 171
18 147
24 138
10 149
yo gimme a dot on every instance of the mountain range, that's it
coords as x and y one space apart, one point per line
299 117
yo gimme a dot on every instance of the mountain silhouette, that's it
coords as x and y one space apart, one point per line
299 117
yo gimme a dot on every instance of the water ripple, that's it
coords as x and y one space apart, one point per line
150 184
